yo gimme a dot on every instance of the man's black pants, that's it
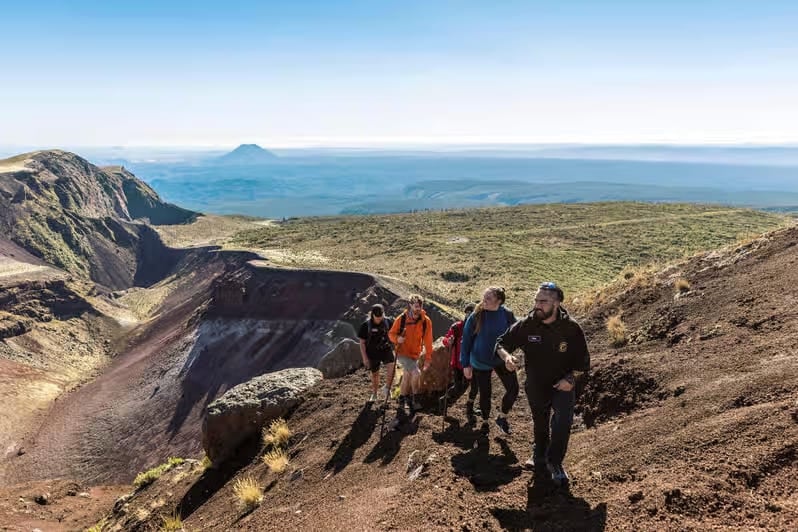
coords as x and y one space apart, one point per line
552 415
509 381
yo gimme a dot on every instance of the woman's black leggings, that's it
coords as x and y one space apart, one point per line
509 381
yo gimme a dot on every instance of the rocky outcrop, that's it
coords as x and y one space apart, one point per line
85 219
343 359
243 410
26 302
436 377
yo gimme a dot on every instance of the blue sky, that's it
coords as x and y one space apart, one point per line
371 72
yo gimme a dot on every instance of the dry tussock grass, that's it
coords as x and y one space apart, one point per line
171 523
617 330
248 493
146 478
277 434
681 285
277 460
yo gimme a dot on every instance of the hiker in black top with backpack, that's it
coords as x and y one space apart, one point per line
376 349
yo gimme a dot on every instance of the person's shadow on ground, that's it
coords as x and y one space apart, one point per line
358 435
550 507
390 442
487 472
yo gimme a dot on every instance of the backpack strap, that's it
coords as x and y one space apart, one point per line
403 322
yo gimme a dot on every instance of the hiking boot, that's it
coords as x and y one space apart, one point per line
416 406
402 401
503 425
558 474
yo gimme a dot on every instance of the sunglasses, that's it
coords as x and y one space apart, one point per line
548 285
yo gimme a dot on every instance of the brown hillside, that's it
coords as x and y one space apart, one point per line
82 218
692 425
223 322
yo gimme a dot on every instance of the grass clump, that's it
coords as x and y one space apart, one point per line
617 330
248 493
146 478
681 285
98 527
172 523
277 460
277 434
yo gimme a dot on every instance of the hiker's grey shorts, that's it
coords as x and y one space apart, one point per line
407 363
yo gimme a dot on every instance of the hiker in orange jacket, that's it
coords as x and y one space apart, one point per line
412 334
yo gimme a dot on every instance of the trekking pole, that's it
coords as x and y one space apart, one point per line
445 407
446 400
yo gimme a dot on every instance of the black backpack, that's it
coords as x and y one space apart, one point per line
384 327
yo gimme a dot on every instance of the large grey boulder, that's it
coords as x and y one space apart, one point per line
343 359
244 409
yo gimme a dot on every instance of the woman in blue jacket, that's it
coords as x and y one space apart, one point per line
478 354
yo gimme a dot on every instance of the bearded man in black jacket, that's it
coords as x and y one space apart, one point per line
554 349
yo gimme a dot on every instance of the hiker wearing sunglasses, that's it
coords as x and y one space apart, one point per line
554 349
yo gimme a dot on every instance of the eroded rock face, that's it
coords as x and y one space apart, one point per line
244 409
343 359
436 377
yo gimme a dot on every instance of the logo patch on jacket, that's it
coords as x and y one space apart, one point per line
563 347
534 339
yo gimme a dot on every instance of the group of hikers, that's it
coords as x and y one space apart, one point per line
481 344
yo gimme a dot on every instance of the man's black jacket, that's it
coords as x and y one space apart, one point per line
552 351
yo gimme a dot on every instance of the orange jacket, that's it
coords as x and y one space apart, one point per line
414 330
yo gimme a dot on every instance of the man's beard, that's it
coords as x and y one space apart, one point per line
541 315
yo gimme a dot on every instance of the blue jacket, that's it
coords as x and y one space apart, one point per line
479 351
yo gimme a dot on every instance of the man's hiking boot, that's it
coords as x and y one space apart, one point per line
558 474
401 407
504 426
415 405
472 411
